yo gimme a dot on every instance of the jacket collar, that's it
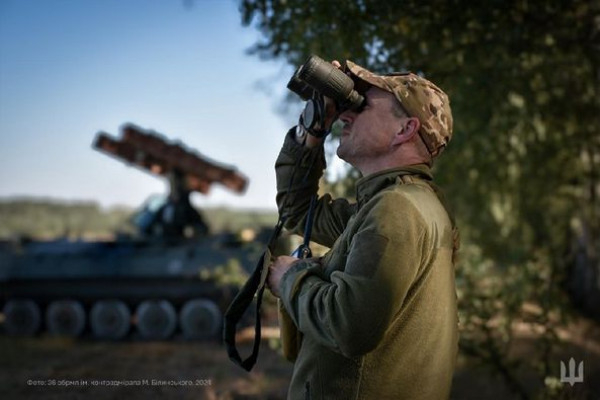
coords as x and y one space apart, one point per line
370 185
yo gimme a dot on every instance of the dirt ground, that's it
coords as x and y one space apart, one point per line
59 368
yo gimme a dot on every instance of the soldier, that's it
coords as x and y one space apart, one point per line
376 316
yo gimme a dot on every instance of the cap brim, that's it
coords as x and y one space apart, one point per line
360 74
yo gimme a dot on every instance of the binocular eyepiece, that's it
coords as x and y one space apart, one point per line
317 78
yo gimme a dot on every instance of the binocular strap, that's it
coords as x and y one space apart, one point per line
254 285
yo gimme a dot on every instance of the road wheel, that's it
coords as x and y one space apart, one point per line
21 317
65 318
200 319
156 319
110 319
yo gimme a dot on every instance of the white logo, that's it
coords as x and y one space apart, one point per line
572 378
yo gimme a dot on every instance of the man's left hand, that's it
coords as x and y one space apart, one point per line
276 271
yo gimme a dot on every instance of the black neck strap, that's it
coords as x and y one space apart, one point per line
254 285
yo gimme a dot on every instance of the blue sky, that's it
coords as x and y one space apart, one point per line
71 68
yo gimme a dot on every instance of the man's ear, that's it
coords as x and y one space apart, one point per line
409 127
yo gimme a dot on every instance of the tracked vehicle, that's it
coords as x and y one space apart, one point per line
161 282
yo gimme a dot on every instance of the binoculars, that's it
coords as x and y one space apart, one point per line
315 79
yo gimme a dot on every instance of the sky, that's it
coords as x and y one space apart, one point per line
72 68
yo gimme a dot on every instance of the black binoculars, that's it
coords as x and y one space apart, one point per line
315 79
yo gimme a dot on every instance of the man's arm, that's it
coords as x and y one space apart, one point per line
298 170
350 311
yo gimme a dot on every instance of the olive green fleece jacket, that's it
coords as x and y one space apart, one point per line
378 312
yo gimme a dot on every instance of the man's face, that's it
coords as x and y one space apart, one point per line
368 135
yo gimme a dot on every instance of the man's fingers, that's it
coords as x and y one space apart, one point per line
336 64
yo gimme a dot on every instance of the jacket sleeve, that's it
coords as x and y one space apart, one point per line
298 170
350 311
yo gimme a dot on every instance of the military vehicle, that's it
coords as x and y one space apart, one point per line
161 281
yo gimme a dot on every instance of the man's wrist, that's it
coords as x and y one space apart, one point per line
292 279
317 133
306 137
312 142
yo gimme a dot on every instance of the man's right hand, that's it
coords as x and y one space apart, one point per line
331 115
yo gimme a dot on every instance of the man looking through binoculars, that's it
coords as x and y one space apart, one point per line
376 317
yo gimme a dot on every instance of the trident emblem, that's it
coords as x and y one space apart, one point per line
572 378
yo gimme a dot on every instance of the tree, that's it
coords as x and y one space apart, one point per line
522 170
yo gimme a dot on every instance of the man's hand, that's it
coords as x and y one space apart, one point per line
331 115
276 271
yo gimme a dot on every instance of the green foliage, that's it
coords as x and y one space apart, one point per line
524 90
40 218
54 218
226 219
522 171
230 274
495 305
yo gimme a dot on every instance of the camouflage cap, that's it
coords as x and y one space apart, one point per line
420 98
